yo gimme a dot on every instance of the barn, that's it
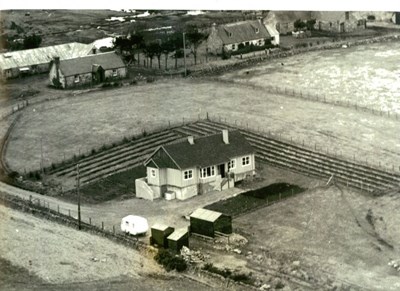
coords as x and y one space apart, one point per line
38 60
87 70
207 222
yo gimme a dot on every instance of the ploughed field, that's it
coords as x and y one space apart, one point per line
367 75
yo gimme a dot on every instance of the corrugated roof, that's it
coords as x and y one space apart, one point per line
205 214
43 55
107 61
206 151
177 234
242 31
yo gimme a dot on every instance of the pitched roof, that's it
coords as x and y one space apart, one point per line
107 61
238 32
205 214
43 55
289 16
178 234
334 16
206 151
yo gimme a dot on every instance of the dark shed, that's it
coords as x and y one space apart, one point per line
159 234
178 239
207 222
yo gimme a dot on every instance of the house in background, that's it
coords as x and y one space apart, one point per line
339 21
33 61
283 21
197 166
228 37
88 70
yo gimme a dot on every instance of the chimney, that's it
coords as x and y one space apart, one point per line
225 136
94 50
191 139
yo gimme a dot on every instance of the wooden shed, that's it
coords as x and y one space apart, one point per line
159 234
178 239
207 222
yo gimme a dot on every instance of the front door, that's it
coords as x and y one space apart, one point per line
221 170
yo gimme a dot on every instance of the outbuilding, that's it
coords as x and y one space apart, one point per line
178 239
207 222
159 234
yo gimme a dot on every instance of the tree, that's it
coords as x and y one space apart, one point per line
151 50
122 44
299 24
137 44
195 38
32 41
167 47
310 24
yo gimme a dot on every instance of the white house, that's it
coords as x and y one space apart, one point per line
197 166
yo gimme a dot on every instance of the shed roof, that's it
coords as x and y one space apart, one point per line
43 55
242 31
160 226
84 64
206 151
205 214
178 234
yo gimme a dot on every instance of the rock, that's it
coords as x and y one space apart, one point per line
265 287
103 260
296 263
249 253
259 257
237 251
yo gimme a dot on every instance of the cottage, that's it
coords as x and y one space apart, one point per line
33 61
209 223
197 166
231 36
339 21
93 69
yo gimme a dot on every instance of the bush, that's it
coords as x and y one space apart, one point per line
226 273
133 82
38 176
13 175
170 261
150 79
93 151
106 85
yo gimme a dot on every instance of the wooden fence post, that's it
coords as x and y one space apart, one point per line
58 208
102 225
90 220
69 212
113 229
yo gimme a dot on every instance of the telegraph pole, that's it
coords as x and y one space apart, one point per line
79 196
41 156
184 52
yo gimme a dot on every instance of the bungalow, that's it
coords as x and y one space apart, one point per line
228 37
87 70
33 61
197 166
339 21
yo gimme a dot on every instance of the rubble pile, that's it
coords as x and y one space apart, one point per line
395 265
193 257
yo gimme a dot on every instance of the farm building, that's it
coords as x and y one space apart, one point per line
87 70
32 61
283 21
231 36
338 22
178 239
159 234
207 222
197 166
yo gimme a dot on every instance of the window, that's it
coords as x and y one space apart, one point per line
257 30
207 172
230 34
233 46
187 175
77 79
231 164
260 42
245 161
115 73
153 172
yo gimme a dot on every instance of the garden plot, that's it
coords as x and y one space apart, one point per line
365 75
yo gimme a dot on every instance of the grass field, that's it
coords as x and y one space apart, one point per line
78 124
367 75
